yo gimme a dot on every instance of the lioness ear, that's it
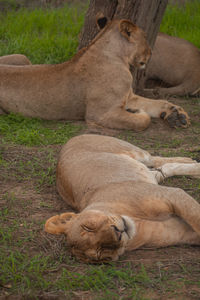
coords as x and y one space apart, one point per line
58 224
101 21
126 27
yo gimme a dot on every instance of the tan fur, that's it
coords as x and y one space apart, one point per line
176 64
114 187
96 85
14 59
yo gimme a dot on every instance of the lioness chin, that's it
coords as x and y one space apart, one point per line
96 85
114 186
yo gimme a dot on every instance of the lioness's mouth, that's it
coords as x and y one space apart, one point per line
129 226
125 227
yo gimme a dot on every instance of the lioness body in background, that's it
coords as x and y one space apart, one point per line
14 59
96 85
176 63
114 187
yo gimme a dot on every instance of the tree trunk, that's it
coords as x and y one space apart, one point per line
144 13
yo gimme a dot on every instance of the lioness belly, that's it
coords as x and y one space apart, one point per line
39 91
104 168
47 110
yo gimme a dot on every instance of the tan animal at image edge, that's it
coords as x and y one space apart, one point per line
14 59
95 85
175 63
113 186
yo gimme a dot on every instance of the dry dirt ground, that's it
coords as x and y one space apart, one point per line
28 197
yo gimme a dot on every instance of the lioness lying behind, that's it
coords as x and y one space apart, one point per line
14 59
114 187
96 85
175 63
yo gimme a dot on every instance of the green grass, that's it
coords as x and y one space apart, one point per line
183 21
38 167
35 132
45 36
40 272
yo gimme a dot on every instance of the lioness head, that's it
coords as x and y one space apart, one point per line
92 235
137 37
133 42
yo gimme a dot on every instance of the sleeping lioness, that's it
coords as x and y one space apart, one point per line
96 85
114 187
175 63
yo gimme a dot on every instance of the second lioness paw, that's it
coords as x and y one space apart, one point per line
176 117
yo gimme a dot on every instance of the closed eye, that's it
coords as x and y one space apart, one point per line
86 228
113 246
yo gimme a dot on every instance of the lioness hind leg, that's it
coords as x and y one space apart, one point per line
158 161
172 166
174 169
165 92
179 90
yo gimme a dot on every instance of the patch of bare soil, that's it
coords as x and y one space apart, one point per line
28 191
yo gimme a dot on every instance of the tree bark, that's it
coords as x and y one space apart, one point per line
144 13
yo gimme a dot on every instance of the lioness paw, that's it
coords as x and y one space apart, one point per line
175 116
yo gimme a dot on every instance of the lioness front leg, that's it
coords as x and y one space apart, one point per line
159 202
185 207
173 114
173 231
179 90
120 118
